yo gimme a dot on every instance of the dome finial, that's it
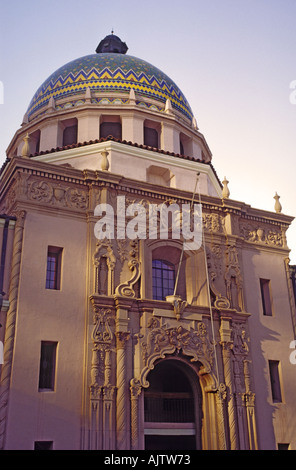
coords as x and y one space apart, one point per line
112 44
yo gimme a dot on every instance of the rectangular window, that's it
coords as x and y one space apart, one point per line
283 446
53 269
266 297
47 365
274 372
43 445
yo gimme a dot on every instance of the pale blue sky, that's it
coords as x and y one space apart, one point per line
233 59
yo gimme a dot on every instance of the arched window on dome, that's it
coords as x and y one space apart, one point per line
186 145
111 126
69 129
34 142
151 133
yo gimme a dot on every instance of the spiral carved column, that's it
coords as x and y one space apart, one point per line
10 323
135 390
122 392
233 431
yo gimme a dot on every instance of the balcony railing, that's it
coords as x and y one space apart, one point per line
169 407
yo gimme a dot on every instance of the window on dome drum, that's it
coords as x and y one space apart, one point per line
70 135
53 268
186 145
163 279
111 125
35 142
266 297
275 381
47 365
152 132
150 137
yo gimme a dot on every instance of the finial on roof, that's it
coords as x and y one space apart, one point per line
26 146
277 205
225 192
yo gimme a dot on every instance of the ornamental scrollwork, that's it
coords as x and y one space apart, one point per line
57 195
161 340
261 234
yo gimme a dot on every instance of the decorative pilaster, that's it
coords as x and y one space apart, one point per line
108 404
10 323
135 390
233 431
122 391
250 407
101 389
220 399
226 343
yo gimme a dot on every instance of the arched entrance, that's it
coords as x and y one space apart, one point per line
172 407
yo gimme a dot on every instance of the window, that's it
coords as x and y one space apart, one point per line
152 131
70 135
53 269
274 372
266 297
150 137
111 125
163 279
43 445
283 446
47 365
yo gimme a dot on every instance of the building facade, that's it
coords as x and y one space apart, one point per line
122 332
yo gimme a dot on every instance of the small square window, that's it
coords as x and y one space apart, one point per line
47 366
53 269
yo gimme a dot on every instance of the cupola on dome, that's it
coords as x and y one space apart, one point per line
109 73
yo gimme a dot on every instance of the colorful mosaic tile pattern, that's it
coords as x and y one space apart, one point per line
111 73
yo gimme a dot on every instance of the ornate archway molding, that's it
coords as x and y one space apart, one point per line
161 341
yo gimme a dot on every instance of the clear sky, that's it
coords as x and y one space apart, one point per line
233 59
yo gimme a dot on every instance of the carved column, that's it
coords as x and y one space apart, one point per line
95 437
122 392
101 389
135 390
10 323
220 399
250 409
233 431
108 404
227 343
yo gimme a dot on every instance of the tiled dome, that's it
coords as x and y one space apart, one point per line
110 73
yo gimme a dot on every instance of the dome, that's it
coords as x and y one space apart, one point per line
109 73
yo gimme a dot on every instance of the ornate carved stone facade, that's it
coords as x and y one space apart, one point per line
131 333
121 347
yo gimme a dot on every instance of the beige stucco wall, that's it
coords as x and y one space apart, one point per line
270 340
48 315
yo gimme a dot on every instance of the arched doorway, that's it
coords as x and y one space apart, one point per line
172 407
